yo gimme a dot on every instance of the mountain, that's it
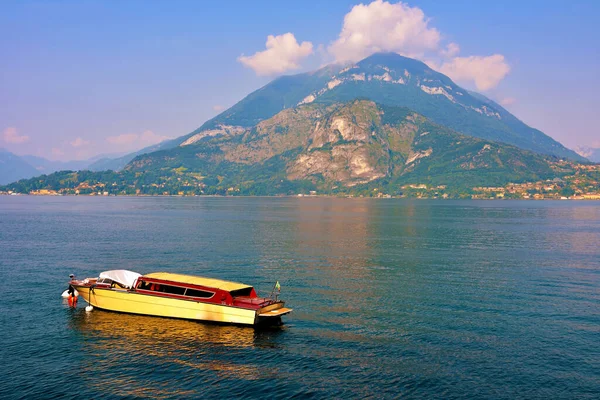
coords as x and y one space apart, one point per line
45 166
283 92
13 168
382 124
346 144
357 147
391 79
101 162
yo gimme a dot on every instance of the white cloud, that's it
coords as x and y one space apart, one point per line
283 53
79 142
126 138
485 72
382 26
133 141
507 101
397 27
218 107
451 50
56 152
11 135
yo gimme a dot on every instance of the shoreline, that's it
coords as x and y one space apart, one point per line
302 197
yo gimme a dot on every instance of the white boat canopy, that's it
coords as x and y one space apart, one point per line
122 276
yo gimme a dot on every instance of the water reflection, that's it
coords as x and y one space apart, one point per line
333 240
115 346
337 230
578 233
139 332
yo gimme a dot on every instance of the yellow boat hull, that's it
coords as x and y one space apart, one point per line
137 303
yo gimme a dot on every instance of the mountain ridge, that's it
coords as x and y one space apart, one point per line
14 167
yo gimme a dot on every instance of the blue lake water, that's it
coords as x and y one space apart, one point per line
392 298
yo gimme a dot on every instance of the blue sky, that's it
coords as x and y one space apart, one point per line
79 78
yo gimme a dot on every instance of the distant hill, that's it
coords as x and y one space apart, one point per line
119 162
13 168
45 166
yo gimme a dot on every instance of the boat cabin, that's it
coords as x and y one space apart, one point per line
206 290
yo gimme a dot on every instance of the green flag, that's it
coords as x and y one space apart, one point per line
278 286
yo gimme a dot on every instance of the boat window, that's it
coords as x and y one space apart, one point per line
144 285
172 289
199 293
241 292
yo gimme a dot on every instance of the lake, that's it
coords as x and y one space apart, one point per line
392 298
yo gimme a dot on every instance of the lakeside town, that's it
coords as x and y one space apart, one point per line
583 184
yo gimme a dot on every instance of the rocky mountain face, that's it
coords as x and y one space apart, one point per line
346 144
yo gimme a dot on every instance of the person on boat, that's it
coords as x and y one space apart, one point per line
72 297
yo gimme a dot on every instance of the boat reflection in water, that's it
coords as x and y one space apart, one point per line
118 348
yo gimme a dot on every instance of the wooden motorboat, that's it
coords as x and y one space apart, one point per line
166 294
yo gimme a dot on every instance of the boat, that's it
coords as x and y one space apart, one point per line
165 294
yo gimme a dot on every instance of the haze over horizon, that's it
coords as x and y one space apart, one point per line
85 78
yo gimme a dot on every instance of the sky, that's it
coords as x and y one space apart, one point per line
80 78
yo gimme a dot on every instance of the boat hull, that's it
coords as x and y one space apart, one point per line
127 301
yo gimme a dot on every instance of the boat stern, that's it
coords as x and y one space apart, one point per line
271 314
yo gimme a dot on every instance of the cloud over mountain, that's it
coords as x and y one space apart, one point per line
382 26
485 72
283 53
11 135
79 142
